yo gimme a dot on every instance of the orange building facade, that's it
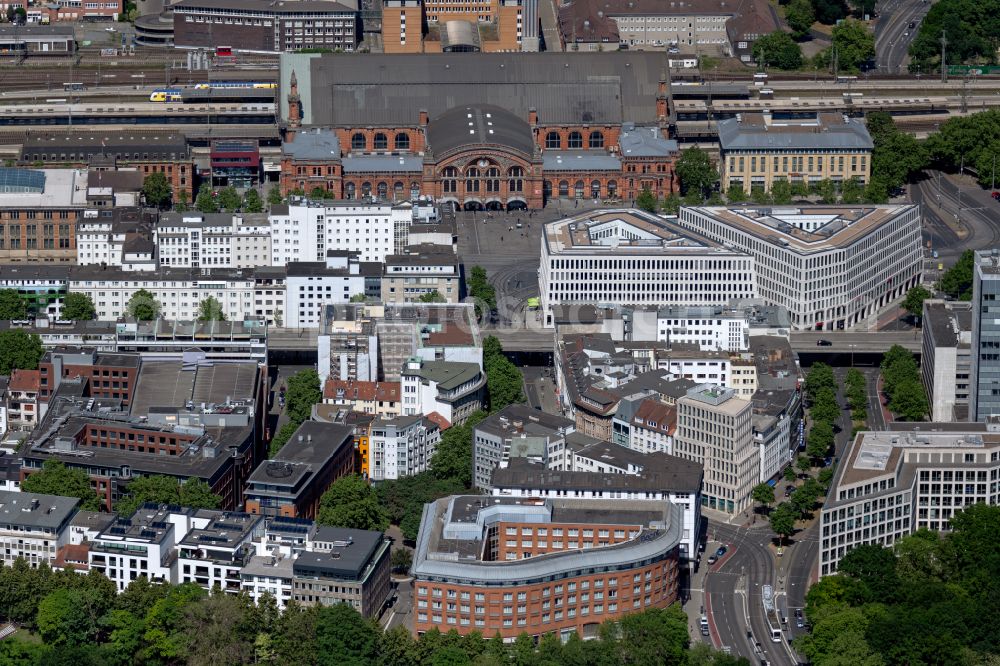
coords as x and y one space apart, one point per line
529 571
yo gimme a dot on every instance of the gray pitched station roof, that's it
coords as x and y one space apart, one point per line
479 124
388 90
828 131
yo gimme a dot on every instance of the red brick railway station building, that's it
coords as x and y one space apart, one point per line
483 131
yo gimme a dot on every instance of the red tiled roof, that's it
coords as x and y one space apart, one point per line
387 391
352 390
25 380
440 420
73 556
654 411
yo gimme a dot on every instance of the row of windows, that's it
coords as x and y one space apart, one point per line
380 141
574 140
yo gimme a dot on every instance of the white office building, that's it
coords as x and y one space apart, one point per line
213 240
179 291
401 446
311 285
305 230
213 552
34 526
890 484
831 266
632 257
715 429
118 237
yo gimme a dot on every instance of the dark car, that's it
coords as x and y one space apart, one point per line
789 490
824 343
721 551
799 620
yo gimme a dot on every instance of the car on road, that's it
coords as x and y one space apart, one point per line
996 195
721 551
712 559
912 25
788 491
799 620
824 343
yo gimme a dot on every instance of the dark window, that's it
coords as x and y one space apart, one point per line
575 140
552 140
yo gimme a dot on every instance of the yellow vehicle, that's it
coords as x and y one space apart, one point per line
165 95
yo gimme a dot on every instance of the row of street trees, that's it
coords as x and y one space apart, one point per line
303 391
901 382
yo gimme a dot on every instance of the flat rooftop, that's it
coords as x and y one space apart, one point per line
312 444
63 188
622 231
225 529
807 229
661 472
175 384
338 553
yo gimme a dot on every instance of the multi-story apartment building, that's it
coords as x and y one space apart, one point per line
312 285
291 483
41 286
24 409
419 271
831 266
603 559
632 257
984 389
401 446
626 475
946 358
452 389
260 26
890 484
34 526
343 566
757 150
39 211
177 291
715 429
212 554
378 398
213 240
516 431
117 237
304 229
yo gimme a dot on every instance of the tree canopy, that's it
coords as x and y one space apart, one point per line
206 201
12 306
956 282
19 350
229 199
800 15
896 155
143 306
156 189
901 382
158 489
853 43
210 309
646 200
914 301
972 30
431 297
504 382
695 171
350 502
778 49
970 140
55 478
78 307
252 202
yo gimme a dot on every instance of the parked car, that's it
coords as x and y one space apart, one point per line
996 195
721 551
789 490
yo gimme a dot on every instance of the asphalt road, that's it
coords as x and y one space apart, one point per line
893 34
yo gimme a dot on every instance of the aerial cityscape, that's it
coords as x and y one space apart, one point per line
545 332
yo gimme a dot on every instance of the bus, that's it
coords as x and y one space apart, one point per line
73 86
166 95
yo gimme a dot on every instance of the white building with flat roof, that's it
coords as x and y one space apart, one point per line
831 266
631 257
304 230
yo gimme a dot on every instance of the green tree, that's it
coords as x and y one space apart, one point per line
777 49
78 307
781 192
156 190
403 499
672 204
825 406
229 199
219 629
431 297
504 382
914 301
956 282
826 191
695 171
210 309
19 350
877 191
402 558
854 43
274 196
896 155
56 479
166 639
182 203
452 460
358 298
800 16
829 12
206 201
303 392
789 474
281 437
350 502
763 494
160 489
760 196
252 202
802 464
646 201
62 619
656 637
319 193
875 567
736 194
820 440
344 637
143 306
12 306
197 494
851 191
908 401
782 520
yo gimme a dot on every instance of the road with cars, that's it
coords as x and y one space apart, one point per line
896 26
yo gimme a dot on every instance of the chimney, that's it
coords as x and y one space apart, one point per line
532 116
423 117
